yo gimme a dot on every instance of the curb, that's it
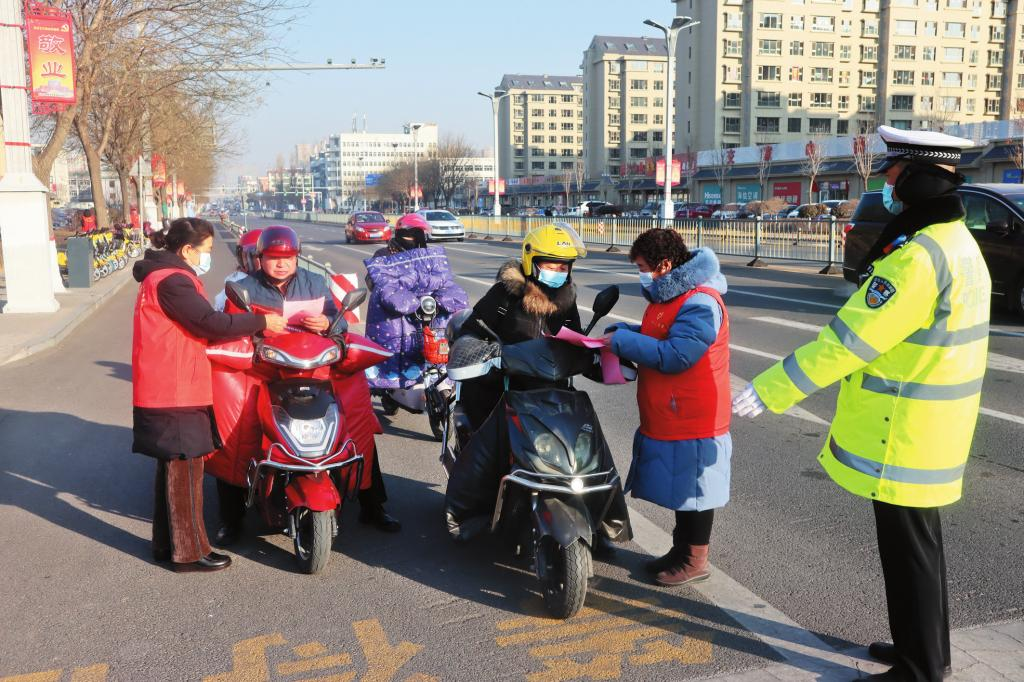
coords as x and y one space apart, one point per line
71 325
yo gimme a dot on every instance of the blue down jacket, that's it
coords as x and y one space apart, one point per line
399 280
691 474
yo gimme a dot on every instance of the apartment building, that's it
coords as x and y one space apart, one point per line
540 125
776 70
623 103
343 162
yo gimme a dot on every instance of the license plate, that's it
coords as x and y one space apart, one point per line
375 235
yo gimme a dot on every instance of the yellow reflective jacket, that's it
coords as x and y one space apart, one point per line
910 348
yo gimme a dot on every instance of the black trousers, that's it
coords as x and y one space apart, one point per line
231 499
914 568
692 528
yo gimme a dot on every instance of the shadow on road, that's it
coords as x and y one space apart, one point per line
73 473
485 572
118 370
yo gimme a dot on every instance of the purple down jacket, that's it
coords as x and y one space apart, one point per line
399 281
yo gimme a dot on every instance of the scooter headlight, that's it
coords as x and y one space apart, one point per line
308 431
546 445
581 450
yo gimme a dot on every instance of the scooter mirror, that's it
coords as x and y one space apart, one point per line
353 300
238 296
603 304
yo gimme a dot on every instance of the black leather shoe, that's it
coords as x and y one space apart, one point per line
886 653
161 555
380 519
603 547
227 535
208 564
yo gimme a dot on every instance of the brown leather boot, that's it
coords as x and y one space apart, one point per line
692 569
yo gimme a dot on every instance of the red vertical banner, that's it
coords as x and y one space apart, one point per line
659 173
501 186
159 171
181 189
51 57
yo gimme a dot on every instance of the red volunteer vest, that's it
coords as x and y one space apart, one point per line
169 365
695 403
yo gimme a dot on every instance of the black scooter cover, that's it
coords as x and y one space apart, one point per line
473 484
545 358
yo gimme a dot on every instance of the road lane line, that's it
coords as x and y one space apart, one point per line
802 650
789 323
1001 415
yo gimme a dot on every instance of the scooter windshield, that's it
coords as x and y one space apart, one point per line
545 358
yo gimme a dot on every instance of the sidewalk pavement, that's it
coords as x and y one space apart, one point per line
22 335
989 653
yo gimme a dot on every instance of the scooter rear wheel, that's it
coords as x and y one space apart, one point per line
314 535
563 573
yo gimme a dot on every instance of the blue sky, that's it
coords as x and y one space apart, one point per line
439 54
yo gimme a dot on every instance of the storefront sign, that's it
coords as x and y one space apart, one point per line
748 191
1012 175
712 194
790 191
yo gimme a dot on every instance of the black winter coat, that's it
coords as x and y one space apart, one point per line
184 432
517 309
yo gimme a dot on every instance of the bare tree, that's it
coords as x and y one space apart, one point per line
722 159
764 167
864 158
118 42
814 159
448 164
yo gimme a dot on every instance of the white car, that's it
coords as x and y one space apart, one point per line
443 225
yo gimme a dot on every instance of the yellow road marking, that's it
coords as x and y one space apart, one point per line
342 677
92 673
45 676
601 668
321 663
310 649
382 659
249 660
695 649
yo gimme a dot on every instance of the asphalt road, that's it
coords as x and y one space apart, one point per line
82 594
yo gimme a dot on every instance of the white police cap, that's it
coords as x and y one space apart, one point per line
925 146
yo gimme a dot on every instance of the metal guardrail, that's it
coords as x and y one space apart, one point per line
812 240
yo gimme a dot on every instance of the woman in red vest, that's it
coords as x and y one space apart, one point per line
682 450
172 391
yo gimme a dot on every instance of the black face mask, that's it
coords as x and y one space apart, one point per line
919 182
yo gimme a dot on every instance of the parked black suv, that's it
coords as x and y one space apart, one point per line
995 216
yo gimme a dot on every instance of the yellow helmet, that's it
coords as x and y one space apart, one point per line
555 241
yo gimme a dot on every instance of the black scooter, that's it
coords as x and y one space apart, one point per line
539 469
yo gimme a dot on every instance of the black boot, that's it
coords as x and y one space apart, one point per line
603 547
374 515
662 563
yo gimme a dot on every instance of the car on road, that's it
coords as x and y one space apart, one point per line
443 225
995 216
367 226
690 211
587 208
728 212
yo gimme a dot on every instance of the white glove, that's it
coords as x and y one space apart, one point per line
748 403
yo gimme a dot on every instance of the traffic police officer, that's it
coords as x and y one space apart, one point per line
909 349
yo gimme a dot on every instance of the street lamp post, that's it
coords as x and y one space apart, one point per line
362 173
415 169
671 35
495 102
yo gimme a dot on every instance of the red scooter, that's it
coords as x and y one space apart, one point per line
293 403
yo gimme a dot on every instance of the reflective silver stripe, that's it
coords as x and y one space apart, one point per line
853 343
891 472
943 276
909 389
798 376
942 337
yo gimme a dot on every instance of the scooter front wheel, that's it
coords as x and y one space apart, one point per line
389 405
314 535
563 573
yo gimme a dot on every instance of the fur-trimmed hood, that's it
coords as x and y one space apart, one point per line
702 270
537 299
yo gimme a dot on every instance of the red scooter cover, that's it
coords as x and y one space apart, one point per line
235 393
